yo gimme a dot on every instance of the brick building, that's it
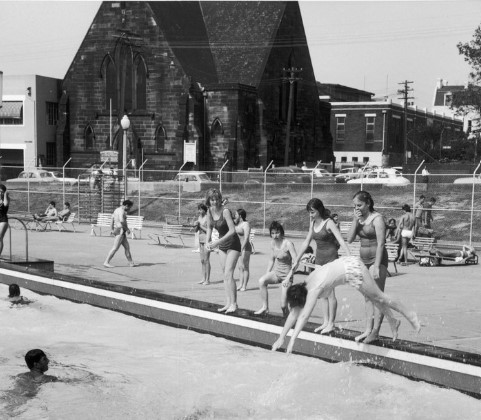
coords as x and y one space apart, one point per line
209 73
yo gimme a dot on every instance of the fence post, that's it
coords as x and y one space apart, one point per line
140 171
63 174
312 177
414 189
265 193
180 189
220 175
472 206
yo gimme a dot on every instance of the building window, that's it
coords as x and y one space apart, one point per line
365 159
370 124
448 99
140 83
340 129
11 113
216 128
109 74
89 137
52 113
354 159
343 159
160 137
51 154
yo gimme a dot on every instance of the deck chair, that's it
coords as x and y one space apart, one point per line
435 259
61 224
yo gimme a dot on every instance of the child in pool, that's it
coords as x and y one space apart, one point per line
14 296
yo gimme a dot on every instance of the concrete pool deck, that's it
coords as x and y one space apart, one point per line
445 298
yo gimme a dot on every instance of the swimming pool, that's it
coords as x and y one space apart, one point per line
114 366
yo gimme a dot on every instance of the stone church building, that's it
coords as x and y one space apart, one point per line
211 74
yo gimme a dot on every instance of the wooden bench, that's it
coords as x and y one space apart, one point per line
135 223
105 220
344 228
423 243
392 253
168 232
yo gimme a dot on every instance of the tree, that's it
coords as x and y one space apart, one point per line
469 100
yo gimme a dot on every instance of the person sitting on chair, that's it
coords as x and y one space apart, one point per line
466 252
64 214
49 215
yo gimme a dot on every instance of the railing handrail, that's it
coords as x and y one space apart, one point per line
10 236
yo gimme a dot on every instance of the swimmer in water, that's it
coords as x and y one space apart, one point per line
14 296
37 361
302 298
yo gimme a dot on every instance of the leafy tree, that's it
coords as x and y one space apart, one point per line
469 100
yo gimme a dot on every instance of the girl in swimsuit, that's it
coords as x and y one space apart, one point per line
220 218
370 226
278 268
302 298
328 239
4 203
201 229
243 229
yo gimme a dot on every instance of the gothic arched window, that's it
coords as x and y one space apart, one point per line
216 128
109 73
141 75
160 137
89 137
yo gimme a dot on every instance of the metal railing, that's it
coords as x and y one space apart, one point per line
268 196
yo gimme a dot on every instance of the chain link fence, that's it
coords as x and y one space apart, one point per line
162 196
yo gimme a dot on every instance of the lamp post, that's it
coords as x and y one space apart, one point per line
125 123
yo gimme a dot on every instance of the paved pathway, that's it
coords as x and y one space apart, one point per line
445 298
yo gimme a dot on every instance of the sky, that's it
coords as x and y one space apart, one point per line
369 45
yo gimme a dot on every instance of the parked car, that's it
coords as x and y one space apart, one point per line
385 176
280 175
59 177
191 181
319 172
36 176
468 180
347 174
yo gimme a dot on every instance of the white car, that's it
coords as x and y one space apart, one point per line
470 180
384 176
319 172
36 176
58 177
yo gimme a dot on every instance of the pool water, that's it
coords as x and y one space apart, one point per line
113 366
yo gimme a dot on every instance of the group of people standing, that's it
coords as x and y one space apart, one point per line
367 273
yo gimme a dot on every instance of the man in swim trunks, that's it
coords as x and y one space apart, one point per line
419 211
120 230
302 298
406 225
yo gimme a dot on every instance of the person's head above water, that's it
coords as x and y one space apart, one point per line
37 359
13 290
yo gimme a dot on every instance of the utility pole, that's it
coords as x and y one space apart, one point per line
292 78
405 97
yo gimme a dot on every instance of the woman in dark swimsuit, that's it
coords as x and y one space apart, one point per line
328 240
4 203
370 226
220 218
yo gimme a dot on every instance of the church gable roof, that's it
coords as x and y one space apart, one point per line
241 35
183 26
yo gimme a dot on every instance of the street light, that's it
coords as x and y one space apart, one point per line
125 123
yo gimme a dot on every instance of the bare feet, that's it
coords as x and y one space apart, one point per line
394 324
201 282
262 311
205 283
223 309
231 309
242 289
414 321
362 336
132 264
321 327
106 264
373 336
328 329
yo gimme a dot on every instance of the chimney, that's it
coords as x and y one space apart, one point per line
439 83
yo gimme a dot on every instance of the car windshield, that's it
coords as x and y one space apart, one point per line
46 175
204 177
56 174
